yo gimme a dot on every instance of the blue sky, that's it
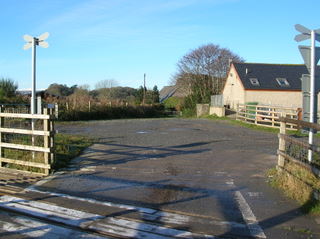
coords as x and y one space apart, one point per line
94 40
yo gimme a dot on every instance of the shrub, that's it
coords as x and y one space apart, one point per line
173 103
113 112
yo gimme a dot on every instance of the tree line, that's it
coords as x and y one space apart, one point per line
200 73
105 92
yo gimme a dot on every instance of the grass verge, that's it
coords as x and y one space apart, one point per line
299 184
68 147
240 123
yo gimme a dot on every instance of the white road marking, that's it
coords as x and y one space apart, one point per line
138 229
48 211
249 217
84 220
255 194
146 213
93 201
230 182
24 226
251 221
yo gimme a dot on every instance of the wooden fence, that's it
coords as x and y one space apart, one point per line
295 149
27 141
267 116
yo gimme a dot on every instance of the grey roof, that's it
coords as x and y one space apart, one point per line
172 91
267 74
166 92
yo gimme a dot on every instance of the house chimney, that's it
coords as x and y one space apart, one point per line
247 71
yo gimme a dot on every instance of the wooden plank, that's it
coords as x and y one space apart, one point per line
1 125
26 163
25 147
277 107
300 123
24 131
25 116
46 140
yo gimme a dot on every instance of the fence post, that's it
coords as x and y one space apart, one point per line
282 142
256 116
56 110
237 113
52 133
245 113
273 116
1 126
46 140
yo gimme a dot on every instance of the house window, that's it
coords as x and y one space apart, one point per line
282 82
254 81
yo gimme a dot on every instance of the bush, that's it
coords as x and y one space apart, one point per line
173 103
113 112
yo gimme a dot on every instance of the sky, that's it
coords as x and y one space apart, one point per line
95 40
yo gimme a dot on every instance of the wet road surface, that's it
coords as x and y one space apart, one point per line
166 178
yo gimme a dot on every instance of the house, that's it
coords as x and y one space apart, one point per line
267 84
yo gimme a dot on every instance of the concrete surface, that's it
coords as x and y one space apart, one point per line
172 178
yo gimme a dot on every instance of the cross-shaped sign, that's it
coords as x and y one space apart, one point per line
311 57
33 42
306 50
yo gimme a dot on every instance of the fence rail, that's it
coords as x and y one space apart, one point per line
267 116
30 149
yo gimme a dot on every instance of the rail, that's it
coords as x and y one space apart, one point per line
27 141
267 116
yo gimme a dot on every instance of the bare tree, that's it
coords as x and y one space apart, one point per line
204 70
107 83
80 98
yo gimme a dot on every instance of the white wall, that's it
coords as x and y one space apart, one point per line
233 92
275 98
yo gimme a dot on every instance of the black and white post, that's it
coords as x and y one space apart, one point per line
311 57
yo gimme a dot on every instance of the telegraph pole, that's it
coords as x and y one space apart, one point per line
144 88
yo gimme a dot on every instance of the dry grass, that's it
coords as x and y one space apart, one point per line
297 183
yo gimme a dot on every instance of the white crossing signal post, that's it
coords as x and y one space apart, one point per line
311 57
33 42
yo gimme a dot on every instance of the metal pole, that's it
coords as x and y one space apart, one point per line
312 91
33 89
33 75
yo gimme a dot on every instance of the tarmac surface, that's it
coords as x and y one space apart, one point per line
165 178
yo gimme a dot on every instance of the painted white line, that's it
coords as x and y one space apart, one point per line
125 232
155 229
48 211
23 226
249 217
84 220
93 201
148 213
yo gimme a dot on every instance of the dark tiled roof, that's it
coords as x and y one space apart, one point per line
267 74
166 92
172 91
